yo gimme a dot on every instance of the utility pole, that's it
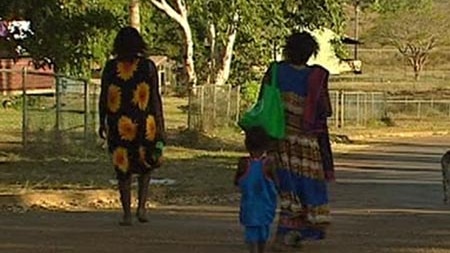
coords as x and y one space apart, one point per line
356 27
135 20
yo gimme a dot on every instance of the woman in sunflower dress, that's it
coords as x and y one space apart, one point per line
131 118
304 212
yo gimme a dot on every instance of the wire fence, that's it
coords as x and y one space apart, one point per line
212 106
46 110
350 108
356 108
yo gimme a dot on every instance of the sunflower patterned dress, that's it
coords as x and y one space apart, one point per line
131 108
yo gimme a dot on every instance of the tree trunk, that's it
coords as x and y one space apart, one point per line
418 62
416 73
189 55
135 20
223 72
212 52
180 15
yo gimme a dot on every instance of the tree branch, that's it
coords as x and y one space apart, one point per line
182 7
224 71
181 18
169 10
431 43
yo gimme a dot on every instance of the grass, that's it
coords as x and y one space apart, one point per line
10 126
388 71
203 165
197 173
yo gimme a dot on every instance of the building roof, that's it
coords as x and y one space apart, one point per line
159 59
350 41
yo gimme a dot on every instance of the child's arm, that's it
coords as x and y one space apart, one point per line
242 164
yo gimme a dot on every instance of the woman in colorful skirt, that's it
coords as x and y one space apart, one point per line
304 156
131 118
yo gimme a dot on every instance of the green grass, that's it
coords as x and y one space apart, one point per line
175 112
388 71
202 164
199 175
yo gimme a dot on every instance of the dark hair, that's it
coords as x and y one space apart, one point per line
129 44
256 140
300 46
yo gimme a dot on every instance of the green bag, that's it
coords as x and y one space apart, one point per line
268 112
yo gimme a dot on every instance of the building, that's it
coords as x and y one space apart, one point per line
37 80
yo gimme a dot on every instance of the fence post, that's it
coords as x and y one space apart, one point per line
373 106
342 120
238 102
86 109
58 105
385 104
214 105
358 109
202 107
189 119
94 100
24 108
365 109
419 109
228 103
337 109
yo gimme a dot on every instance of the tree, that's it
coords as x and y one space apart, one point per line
179 13
220 22
75 33
67 33
135 20
319 13
215 28
415 32
267 23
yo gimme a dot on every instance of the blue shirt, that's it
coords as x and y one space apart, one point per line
293 80
259 195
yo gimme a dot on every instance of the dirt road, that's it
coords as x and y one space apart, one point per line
388 198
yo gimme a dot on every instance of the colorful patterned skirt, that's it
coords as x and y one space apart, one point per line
304 208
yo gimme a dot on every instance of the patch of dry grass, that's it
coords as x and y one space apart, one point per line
202 164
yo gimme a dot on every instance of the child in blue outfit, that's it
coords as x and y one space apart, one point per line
256 180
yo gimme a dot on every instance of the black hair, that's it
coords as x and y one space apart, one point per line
129 44
257 140
300 46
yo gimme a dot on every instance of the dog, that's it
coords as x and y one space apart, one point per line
445 163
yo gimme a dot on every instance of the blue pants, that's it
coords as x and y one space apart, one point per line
256 234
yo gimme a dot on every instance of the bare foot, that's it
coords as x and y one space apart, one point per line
141 216
126 221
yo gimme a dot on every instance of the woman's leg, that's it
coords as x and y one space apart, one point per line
125 199
253 247
261 247
144 181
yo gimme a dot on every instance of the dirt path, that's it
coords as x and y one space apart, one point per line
388 198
